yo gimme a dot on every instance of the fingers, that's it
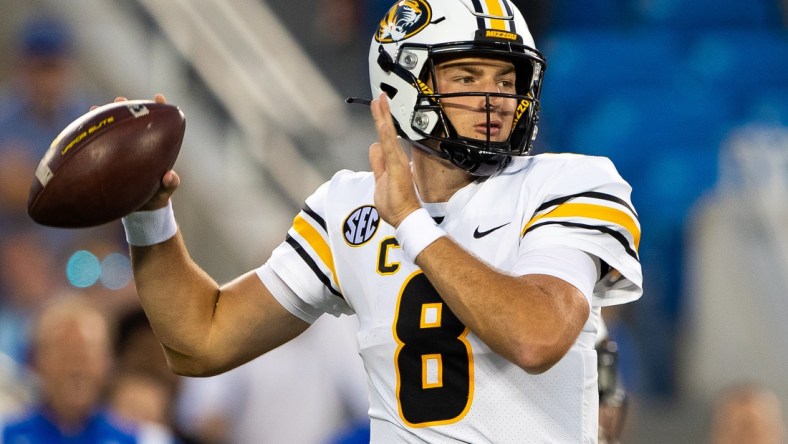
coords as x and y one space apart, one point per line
387 132
157 98
384 122
376 160
117 99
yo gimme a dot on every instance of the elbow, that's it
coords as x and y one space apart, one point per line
536 359
536 364
192 365
192 371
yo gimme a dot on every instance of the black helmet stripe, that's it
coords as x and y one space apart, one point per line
477 6
509 13
498 15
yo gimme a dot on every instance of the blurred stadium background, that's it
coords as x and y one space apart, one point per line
689 98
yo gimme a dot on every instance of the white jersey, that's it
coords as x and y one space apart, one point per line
430 378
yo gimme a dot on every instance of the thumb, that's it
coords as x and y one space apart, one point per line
169 183
171 180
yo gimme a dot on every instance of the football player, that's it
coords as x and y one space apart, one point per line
477 272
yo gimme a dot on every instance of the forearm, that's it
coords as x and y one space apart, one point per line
531 321
177 296
205 328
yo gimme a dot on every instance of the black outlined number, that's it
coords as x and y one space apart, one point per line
433 360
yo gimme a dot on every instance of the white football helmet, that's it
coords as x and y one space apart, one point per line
402 56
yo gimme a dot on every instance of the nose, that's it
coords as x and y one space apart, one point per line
489 101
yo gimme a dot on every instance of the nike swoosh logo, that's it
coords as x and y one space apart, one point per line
480 234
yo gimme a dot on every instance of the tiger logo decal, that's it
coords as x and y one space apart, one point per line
405 19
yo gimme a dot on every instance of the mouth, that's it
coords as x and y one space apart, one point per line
493 130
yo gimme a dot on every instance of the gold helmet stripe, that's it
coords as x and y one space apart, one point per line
494 9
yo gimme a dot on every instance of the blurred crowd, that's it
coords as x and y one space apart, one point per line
79 361
62 292
655 85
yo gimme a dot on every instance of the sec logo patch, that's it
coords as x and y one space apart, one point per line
361 225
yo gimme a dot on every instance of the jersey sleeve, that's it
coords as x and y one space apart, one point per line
305 263
588 207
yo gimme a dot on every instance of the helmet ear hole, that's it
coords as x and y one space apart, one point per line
385 61
389 90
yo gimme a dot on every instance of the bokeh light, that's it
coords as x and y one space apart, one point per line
115 271
83 269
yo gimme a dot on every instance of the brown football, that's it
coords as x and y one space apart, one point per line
106 164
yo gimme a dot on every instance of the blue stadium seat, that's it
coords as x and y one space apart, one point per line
738 60
768 106
671 181
708 14
571 14
585 65
636 126
609 59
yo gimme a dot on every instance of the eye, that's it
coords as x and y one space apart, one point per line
506 84
465 80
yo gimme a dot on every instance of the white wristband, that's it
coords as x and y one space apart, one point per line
416 232
145 228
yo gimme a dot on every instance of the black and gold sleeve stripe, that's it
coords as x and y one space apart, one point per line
597 211
308 237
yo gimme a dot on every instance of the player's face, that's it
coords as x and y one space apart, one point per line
468 114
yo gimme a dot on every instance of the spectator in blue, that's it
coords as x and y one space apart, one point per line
72 357
28 281
36 104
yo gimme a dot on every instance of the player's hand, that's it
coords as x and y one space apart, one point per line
169 182
395 196
158 98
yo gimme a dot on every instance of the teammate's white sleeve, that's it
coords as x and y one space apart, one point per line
602 333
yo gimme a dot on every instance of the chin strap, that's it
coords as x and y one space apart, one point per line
441 154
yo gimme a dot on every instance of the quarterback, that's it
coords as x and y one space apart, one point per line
477 272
